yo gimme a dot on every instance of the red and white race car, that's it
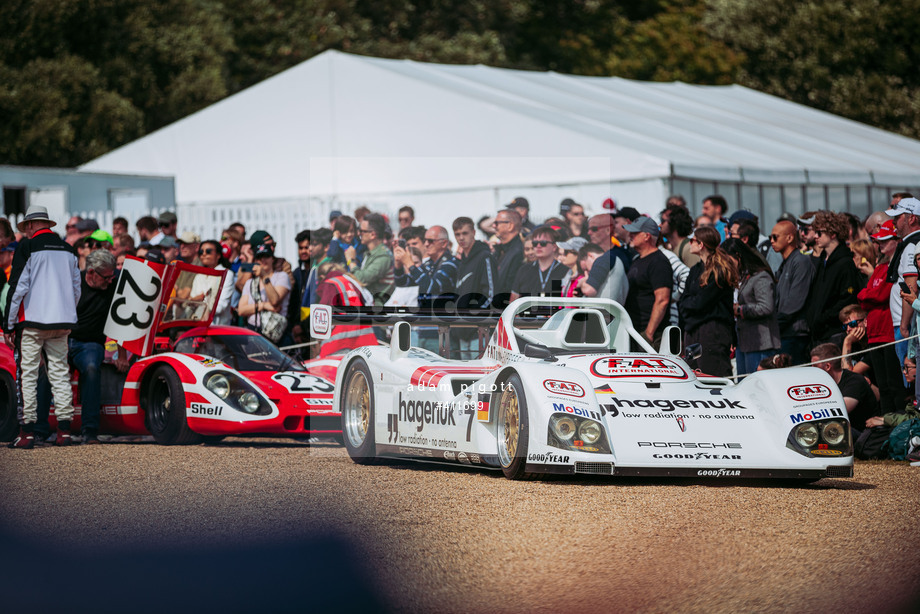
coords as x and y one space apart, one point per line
8 423
194 381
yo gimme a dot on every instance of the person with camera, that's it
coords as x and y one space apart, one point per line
266 297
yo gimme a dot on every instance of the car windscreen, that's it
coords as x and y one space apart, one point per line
242 352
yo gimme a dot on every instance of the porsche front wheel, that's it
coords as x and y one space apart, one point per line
165 408
512 433
357 407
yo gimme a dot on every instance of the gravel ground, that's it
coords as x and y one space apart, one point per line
179 523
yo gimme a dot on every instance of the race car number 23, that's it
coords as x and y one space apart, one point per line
131 317
303 382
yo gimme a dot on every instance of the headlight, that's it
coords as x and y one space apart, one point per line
833 433
564 427
590 432
237 392
806 435
219 385
249 402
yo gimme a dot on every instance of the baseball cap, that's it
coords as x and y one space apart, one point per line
167 217
334 214
189 237
886 231
258 238
103 236
574 244
630 213
566 205
263 250
166 242
87 226
519 201
742 214
11 247
643 224
806 221
155 255
609 203
905 205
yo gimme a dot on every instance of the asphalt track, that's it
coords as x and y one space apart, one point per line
270 525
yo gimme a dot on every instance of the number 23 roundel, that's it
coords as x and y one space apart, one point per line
134 309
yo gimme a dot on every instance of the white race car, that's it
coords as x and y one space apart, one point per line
585 393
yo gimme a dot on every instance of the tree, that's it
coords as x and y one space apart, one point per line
855 58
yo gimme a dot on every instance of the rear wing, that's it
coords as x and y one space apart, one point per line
323 318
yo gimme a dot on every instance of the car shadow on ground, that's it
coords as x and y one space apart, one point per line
590 480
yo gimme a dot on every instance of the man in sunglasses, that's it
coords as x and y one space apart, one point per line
607 277
166 225
86 346
508 254
793 281
543 276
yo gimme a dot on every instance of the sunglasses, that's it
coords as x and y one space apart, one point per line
541 243
405 219
427 240
164 225
594 228
205 251
107 278
818 233
364 232
497 222
852 324
774 237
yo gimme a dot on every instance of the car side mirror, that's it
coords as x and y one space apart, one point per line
693 351
671 341
400 341
534 350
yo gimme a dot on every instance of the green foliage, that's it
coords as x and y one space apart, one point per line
80 77
673 46
855 58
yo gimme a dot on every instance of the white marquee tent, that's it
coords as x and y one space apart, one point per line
341 130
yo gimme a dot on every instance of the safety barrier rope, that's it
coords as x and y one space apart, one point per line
842 356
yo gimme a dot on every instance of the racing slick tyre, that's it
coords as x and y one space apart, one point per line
357 407
513 426
9 421
164 404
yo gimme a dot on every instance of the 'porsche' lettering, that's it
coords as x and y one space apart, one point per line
690 445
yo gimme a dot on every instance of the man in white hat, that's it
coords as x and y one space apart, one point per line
44 292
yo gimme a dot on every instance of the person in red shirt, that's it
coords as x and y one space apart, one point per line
874 300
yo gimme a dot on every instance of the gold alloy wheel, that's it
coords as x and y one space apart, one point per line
509 420
357 408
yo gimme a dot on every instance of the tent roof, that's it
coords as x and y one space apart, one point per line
347 124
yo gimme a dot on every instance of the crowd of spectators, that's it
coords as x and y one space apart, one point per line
823 287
